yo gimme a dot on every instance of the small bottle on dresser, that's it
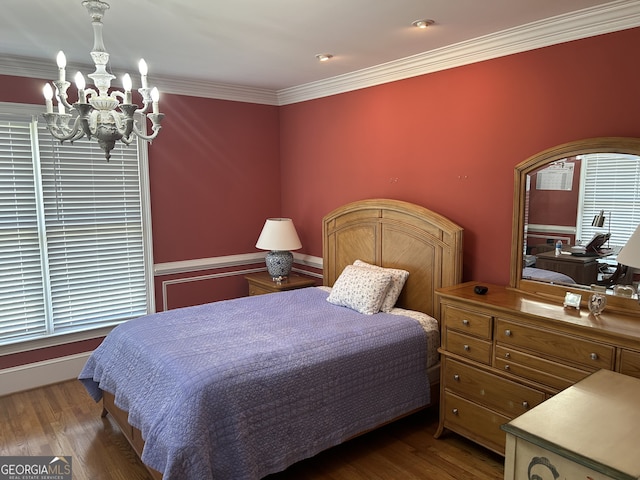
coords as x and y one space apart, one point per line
558 247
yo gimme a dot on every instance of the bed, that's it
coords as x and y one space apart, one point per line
549 276
246 387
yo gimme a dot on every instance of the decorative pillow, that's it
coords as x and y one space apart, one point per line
361 289
398 279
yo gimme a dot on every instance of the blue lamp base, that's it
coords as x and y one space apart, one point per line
279 263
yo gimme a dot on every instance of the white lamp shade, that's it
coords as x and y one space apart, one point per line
278 234
630 253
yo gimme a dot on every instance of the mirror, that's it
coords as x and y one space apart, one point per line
561 196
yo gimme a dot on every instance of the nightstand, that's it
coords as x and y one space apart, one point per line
261 283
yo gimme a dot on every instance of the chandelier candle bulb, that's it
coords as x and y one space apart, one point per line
61 60
155 98
142 66
47 91
80 85
126 83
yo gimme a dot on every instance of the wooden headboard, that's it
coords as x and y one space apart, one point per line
395 234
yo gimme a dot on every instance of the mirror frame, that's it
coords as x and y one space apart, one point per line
629 145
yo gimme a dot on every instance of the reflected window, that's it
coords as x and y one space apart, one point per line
611 184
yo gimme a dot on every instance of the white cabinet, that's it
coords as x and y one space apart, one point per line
590 431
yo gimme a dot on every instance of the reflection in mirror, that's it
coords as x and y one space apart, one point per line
589 203
575 207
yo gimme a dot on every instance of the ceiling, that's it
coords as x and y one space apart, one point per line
267 45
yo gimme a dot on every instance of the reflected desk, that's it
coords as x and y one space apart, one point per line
584 270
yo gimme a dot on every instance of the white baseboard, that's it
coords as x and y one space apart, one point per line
39 374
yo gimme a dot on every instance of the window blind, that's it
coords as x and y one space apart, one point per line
611 182
22 307
72 232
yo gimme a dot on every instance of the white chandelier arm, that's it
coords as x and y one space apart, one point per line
155 118
93 122
124 122
90 92
61 92
129 139
145 93
60 131
117 94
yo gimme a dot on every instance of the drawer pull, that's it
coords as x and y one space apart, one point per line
507 367
456 377
525 405
507 332
454 411
467 348
507 355
594 356
465 322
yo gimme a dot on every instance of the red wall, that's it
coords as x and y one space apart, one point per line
450 140
555 207
215 177
552 208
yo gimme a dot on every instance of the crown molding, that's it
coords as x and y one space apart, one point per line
37 68
616 16
608 18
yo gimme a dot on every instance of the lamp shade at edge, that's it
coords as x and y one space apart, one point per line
630 253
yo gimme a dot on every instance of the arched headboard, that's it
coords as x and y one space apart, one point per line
396 234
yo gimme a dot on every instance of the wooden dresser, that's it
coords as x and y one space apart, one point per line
505 352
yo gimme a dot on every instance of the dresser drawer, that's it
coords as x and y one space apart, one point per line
258 290
552 374
505 396
467 321
587 354
630 363
469 347
474 421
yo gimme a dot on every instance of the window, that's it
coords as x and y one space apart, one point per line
75 249
611 183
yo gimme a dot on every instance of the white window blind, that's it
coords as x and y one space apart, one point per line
74 238
611 182
22 307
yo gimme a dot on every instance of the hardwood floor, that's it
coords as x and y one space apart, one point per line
62 419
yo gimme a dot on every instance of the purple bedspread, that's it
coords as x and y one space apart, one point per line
242 388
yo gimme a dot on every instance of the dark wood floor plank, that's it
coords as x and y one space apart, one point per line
62 419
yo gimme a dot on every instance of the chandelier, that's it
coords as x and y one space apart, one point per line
107 117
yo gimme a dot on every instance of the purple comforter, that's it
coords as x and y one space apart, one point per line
246 387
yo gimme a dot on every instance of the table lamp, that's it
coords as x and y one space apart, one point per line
279 235
630 253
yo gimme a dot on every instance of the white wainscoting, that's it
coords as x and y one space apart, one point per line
192 266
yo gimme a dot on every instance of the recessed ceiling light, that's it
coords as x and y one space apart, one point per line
323 57
423 23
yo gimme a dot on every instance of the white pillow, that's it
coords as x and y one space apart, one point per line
361 289
398 279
